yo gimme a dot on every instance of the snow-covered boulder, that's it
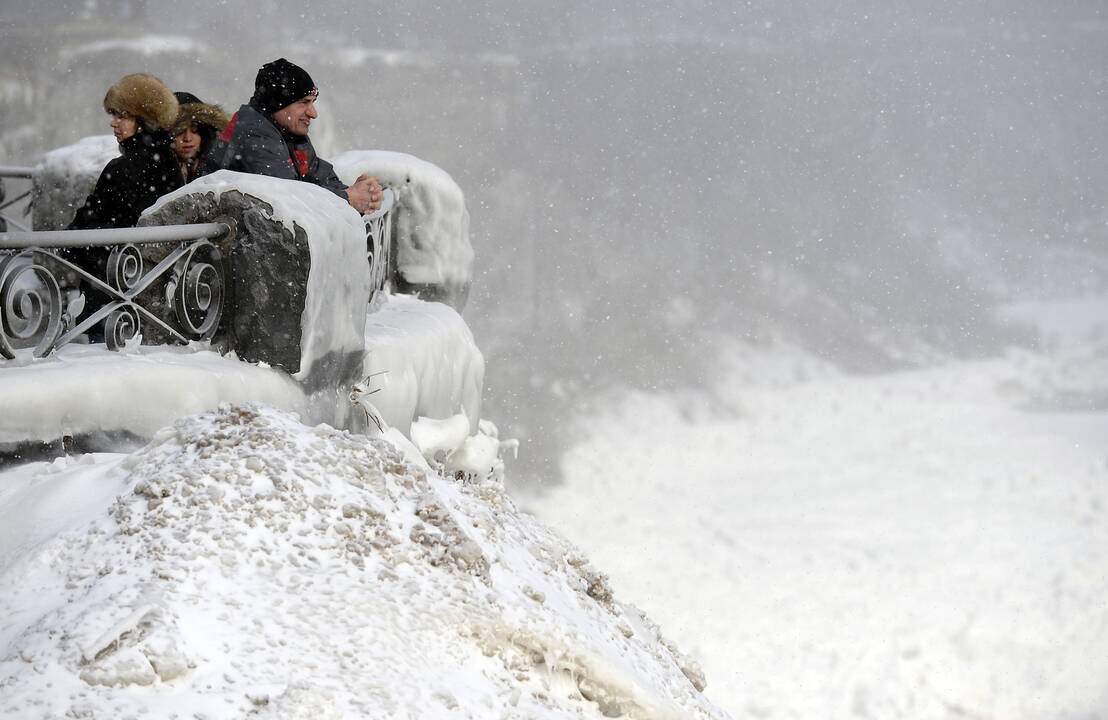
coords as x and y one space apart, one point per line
65 177
300 268
434 258
254 567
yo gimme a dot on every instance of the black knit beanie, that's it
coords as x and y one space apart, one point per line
280 83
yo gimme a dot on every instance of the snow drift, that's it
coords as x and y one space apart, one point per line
253 566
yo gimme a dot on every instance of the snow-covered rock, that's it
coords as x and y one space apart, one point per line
255 567
433 253
65 177
321 224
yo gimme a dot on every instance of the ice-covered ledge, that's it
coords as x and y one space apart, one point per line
86 391
421 360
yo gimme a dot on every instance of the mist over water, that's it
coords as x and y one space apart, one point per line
864 179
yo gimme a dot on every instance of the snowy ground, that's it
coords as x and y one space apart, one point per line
927 544
245 565
924 544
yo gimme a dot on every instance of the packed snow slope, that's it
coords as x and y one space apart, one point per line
245 565
925 545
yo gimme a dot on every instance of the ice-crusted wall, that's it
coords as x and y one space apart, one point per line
421 361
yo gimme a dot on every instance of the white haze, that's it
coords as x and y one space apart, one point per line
863 179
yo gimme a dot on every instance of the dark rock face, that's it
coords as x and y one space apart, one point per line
268 281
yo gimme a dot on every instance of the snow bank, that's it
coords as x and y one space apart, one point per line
333 318
256 567
432 227
66 176
421 359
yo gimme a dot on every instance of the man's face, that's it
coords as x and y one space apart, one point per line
296 118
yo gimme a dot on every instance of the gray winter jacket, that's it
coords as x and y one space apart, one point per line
253 143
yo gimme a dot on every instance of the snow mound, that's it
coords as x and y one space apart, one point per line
66 176
252 566
432 229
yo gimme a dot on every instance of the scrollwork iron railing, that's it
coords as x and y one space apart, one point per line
19 219
378 236
43 292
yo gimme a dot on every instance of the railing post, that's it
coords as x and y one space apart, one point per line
6 218
379 239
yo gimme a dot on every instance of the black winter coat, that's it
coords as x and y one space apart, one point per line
253 143
130 183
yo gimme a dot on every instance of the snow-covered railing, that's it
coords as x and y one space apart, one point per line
7 216
43 291
378 235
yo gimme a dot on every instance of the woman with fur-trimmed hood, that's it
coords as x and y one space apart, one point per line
142 111
197 125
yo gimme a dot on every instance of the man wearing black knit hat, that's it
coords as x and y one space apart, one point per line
269 136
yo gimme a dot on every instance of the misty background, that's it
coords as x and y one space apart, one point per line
650 183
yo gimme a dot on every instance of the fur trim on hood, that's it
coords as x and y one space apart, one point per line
145 98
200 113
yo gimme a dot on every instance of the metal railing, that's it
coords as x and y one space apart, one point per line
43 291
20 221
378 236
51 295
